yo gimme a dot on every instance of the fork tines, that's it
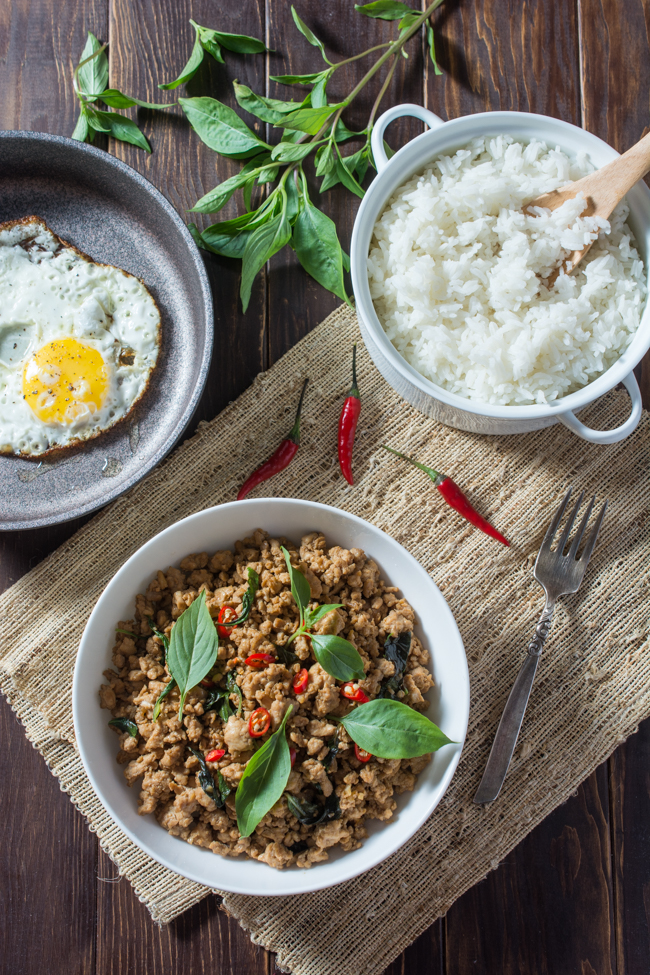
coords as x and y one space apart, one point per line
591 539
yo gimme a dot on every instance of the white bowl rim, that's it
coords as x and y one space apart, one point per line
307 885
386 183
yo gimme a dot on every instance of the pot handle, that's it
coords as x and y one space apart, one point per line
377 137
571 421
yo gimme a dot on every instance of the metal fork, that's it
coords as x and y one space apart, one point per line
558 574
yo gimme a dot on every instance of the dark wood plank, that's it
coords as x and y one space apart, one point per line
547 909
426 956
48 859
149 45
202 941
295 302
630 797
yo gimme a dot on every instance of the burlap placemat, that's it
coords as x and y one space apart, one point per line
591 691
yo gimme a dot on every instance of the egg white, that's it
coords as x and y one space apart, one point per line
50 291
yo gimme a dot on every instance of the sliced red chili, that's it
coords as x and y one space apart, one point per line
206 682
259 723
300 681
292 755
215 755
227 614
362 754
353 692
258 661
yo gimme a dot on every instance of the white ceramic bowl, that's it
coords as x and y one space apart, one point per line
218 528
449 408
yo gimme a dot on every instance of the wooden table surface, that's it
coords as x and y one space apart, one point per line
574 897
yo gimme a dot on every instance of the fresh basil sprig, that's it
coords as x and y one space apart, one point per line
264 779
390 729
337 656
193 648
396 649
212 41
219 790
90 82
247 599
125 724
161 697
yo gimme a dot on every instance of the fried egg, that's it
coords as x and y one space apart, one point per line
78 341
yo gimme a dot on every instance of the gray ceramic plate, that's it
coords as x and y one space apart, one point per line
110 212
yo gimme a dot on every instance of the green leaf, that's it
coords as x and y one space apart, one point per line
264 780
317 246
325 159
337 656
293 199
318 92
81 129
306 32
119 126
357 163
348 179
239 43
298 79
161 697
390 729
432 49
218 699
219 790
263 243
125 724
213 201
342 132
92 78
311 813
192 66
192 649
234 688
161 636
300 589
225 245
287 152
267 109
346 261
396 650
116 99
314 615
408 20
383 9
309 120
221 128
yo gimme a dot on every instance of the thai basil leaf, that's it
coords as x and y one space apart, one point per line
383 9
337 656
306 32
225 245
161 636
325 159
298 79
128 633
285 655
116 99
310 813
247 599
396 649
264 779
234 688
218 699
293 200
333 745
213 201
192 649
347 178
298 847
92 77
309 120
317 246
263 243
220 128
318 93
286 152
192 66
267 109
314 615
432 49
119 126
390 729
219 790
407 21
239 43
300 589
82 130
342 132
346 261
125 724
161 697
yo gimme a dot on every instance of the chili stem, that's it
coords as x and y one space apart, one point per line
434 475
294 433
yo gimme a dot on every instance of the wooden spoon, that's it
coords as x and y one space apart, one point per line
602 190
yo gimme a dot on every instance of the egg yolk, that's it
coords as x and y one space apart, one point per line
65 381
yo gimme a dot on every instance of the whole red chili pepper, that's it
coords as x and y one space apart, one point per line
259 723
348 423
278 460
258 661
454 498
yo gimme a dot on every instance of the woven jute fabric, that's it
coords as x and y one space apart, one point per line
592 687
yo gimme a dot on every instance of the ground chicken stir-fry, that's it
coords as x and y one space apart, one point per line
160 754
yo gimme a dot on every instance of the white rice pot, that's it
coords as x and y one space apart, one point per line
433 400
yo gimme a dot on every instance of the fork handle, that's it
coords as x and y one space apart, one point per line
513 713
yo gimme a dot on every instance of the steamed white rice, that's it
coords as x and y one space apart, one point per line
456 274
